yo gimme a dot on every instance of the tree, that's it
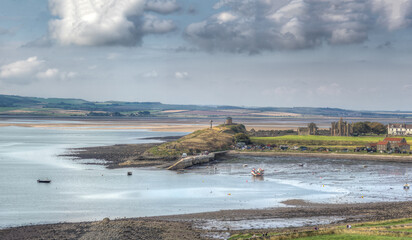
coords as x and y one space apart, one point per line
361 128
377 128
241 137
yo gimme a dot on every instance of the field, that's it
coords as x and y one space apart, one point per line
321 141
393 229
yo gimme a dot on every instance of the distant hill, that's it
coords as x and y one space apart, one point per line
17 105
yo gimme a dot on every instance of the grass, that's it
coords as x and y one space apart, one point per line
397 229
350 237
5 109
217 139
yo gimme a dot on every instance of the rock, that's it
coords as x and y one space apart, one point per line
106 220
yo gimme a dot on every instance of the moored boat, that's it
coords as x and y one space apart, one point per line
406 186
257 172
44 180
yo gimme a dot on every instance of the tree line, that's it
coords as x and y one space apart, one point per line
363 128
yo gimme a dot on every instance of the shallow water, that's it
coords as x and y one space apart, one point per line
218 225
81 192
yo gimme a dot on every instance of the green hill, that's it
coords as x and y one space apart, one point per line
217 139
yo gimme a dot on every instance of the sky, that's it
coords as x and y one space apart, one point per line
352 54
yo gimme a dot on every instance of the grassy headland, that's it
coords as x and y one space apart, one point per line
216 139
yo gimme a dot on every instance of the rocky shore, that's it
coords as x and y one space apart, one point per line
123 155
132 155
189 226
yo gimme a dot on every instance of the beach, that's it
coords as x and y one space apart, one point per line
198 226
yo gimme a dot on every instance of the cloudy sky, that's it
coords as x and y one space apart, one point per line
354 54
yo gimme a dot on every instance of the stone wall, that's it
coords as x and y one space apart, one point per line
192 160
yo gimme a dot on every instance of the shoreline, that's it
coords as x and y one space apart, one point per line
384 158
189 226
131 155
123 155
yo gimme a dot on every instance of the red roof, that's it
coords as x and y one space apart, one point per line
392 139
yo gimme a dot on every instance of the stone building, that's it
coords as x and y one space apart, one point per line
312 129
399 129
341 128
229 121
394 144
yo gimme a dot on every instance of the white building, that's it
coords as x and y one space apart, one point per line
399 129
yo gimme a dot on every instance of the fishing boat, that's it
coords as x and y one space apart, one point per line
257 172
44 180
129 173
406 186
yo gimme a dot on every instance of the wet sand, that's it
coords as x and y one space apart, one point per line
189 226
160 124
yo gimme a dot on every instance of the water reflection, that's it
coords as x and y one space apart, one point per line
257 178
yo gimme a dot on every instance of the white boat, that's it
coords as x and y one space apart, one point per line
257 172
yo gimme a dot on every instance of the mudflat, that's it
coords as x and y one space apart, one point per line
189 226
362 156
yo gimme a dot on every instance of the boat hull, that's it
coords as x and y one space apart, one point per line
44 181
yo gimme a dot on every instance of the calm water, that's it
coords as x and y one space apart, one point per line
80 192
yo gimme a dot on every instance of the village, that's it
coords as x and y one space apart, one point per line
342 136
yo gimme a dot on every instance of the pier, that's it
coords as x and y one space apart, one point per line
195 160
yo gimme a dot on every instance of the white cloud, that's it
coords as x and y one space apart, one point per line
162 6
181 75
333 89
152 74
225 17
258 25
49 73
21 69
54 73
31 69
105 22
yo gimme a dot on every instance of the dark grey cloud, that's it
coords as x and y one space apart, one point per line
162 6
258 25
4 31
384 45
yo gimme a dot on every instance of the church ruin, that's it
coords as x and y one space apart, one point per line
341 128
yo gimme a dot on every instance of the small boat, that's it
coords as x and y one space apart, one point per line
301 164
44 180
244 165
129 173
257 172
406 186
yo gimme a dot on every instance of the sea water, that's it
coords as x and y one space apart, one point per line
84 192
